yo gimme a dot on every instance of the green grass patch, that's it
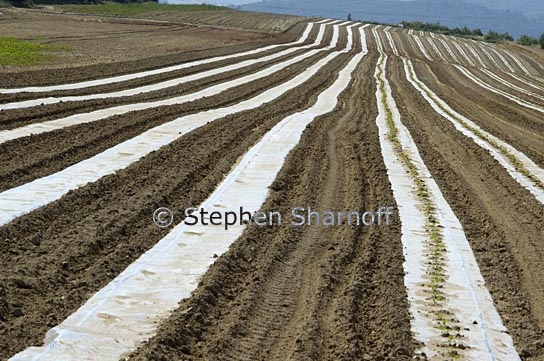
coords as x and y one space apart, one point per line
15 51
129 9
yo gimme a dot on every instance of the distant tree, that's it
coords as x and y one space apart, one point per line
541 41
349 17
507 36
491 36
527 40
22 3
494 37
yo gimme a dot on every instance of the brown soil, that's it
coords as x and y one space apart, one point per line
15 118
29 158
523 82
229 19
151 79
534 55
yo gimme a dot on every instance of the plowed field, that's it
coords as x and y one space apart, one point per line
443 136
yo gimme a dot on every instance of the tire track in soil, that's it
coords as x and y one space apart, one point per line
522 128
57 256
308 292
500 218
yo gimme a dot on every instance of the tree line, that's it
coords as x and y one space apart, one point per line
491 36
529 40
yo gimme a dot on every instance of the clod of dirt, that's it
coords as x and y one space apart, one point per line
36 239
20 283
525 353
17 312
185 350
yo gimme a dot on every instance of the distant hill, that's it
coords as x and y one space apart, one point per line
532 9
452 13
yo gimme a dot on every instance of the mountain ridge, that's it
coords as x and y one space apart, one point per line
452 13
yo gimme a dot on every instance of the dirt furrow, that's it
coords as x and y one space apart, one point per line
530 59
408 45
509 96
29 158
489 56
505 85
419 43
146 80
525 82
111 84
478 57
464 54
517 61
436 51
